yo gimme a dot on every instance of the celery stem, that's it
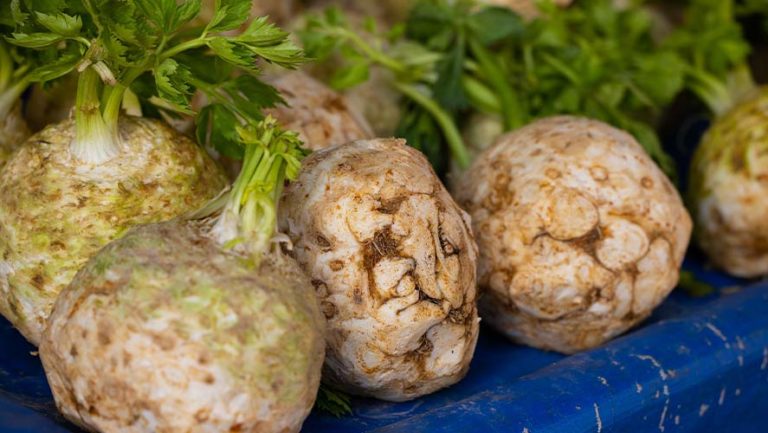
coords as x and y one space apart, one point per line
481 96
511 110
189 45
96 141
451 132
6 67
249 215
112 107
712 91
373 54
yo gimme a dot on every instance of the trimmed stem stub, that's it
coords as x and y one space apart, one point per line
248 213
96 136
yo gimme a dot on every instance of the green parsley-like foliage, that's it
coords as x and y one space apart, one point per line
695 287
32 60
331 36
248 212
712 42
591 59
333 402
150 48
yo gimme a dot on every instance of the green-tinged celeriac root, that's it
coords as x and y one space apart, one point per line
13 132
392 259
728 191
164 331
57 210
581 235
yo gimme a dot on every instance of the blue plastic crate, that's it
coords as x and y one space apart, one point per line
698 365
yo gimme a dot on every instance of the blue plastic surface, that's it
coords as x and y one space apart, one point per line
698 365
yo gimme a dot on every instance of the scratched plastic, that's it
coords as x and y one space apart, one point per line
698 365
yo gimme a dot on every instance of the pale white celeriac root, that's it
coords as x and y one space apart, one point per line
392 259
321 116
581 235
57 211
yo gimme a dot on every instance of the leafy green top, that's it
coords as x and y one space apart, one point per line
591 59
714 47
248 212
333 402
20 66
149 48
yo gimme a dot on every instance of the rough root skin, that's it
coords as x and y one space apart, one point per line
581 235
13 132
392 259
729 189
162 331
55 212
320 115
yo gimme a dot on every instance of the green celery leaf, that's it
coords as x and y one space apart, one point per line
261 32
34 40
233 52
449 90
251 95
492 24
661 77
172 81
333 402
18 16
55 69
285 54
421 132
160 12
433 22
47 6
351 75
118 50
61 24
217 129
206 67
229 15
695 287
184 13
